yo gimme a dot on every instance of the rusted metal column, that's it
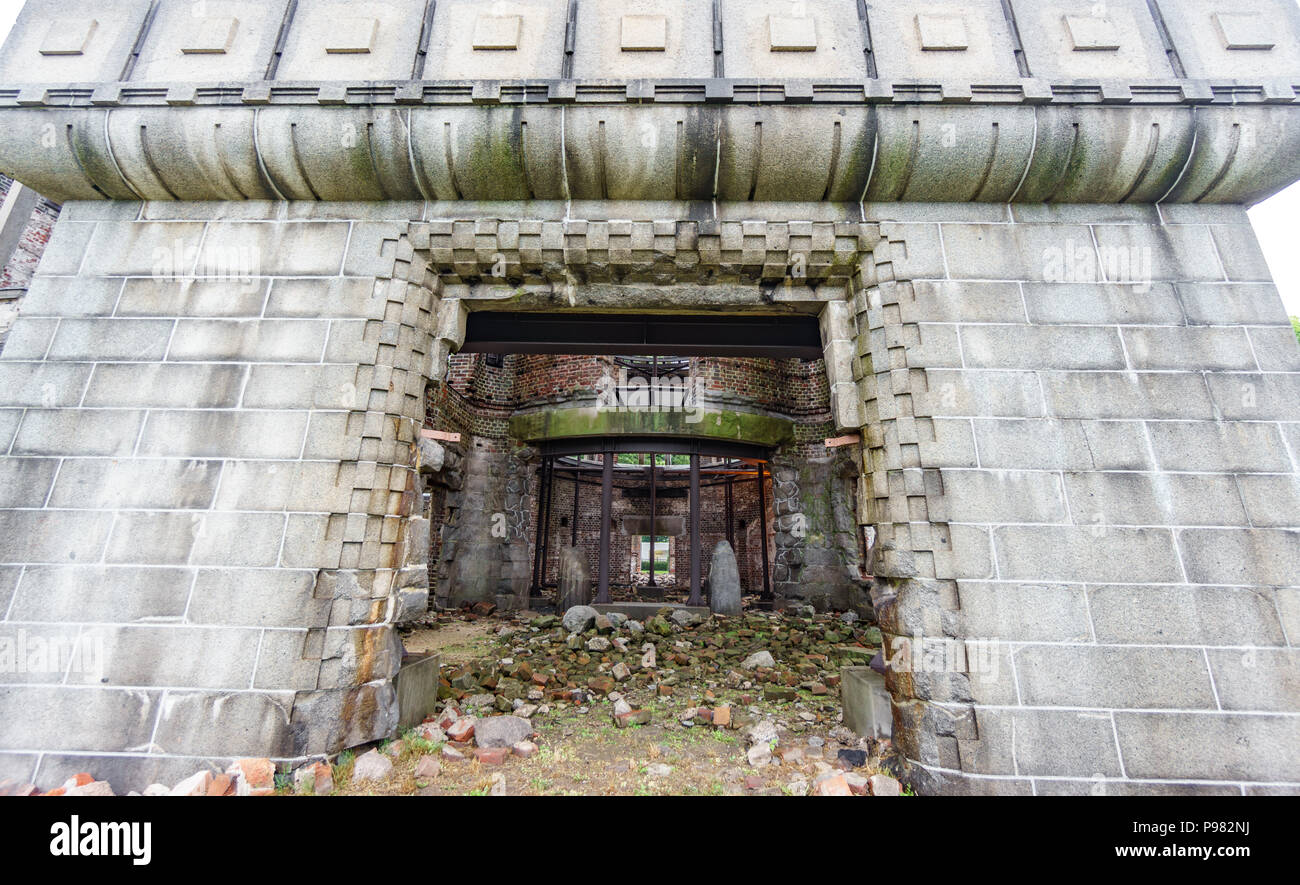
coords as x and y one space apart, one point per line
537 545
762 533
546 517
573 523
731 515
653 535
697 564
606 513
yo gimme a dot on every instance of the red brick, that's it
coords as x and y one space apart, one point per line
461 731
222 785
833 786
491 755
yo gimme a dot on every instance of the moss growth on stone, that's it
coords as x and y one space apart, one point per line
713 424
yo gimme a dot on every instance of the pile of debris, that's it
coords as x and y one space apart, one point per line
245 777
546 661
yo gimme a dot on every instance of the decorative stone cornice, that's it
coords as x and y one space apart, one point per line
845 152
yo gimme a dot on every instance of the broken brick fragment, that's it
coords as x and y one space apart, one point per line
491 755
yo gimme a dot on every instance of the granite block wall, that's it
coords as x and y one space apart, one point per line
1082 456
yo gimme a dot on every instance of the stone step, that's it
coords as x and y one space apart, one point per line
641 611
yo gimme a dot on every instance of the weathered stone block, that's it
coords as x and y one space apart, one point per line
1046 553
256 597
26 482
1002 496
975 393
1241 556
1025 612
1134 678
1184 615
1051 444
1126 395
122 595
1236 447
169 655
35 536
73 718
226 725
1203 747
284 341
201 434
1101 303
1103 499
161 385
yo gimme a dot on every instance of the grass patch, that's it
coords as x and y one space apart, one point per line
343 768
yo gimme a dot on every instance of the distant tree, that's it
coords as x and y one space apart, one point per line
1295 324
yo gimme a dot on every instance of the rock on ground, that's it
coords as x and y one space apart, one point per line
761 733
579 618
759 659
884 785
372 766
501 731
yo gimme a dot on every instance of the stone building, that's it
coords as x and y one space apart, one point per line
26 219
1013 231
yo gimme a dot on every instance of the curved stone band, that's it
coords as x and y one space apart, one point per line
731 153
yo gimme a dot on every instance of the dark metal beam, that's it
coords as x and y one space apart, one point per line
762 533
653 536
606 514
573 526
663 445
546 518
537 544
784 337
731 515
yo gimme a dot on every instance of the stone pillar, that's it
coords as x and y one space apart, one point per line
1081 451
208 418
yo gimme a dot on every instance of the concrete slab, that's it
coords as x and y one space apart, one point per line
640 611
866 702
417 690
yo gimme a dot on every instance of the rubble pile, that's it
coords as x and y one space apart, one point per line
547 662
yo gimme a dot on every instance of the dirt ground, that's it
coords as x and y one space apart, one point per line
582 753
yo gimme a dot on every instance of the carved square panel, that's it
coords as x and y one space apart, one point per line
942 33
497 31
1091 34
1245 30
644 33
212 36
789 34
68 36
353 36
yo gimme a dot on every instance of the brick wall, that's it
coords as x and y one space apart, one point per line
20 264
18 272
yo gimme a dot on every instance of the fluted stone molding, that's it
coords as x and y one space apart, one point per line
843 153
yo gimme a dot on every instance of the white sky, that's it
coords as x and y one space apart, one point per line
1276 221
